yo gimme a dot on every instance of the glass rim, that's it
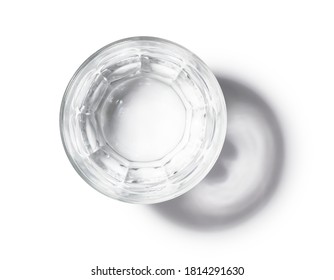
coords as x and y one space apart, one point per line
215 150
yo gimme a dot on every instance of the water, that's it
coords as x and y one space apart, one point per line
143 119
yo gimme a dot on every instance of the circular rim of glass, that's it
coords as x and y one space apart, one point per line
217 142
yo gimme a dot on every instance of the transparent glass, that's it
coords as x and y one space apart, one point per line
143 120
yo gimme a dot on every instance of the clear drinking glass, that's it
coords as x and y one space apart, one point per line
143 120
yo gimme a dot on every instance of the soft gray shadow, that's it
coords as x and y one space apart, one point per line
247 172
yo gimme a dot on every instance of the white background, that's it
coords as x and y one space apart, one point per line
54 226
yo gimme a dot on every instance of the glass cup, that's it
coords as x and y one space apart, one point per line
143 120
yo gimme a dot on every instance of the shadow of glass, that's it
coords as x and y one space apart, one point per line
246 173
